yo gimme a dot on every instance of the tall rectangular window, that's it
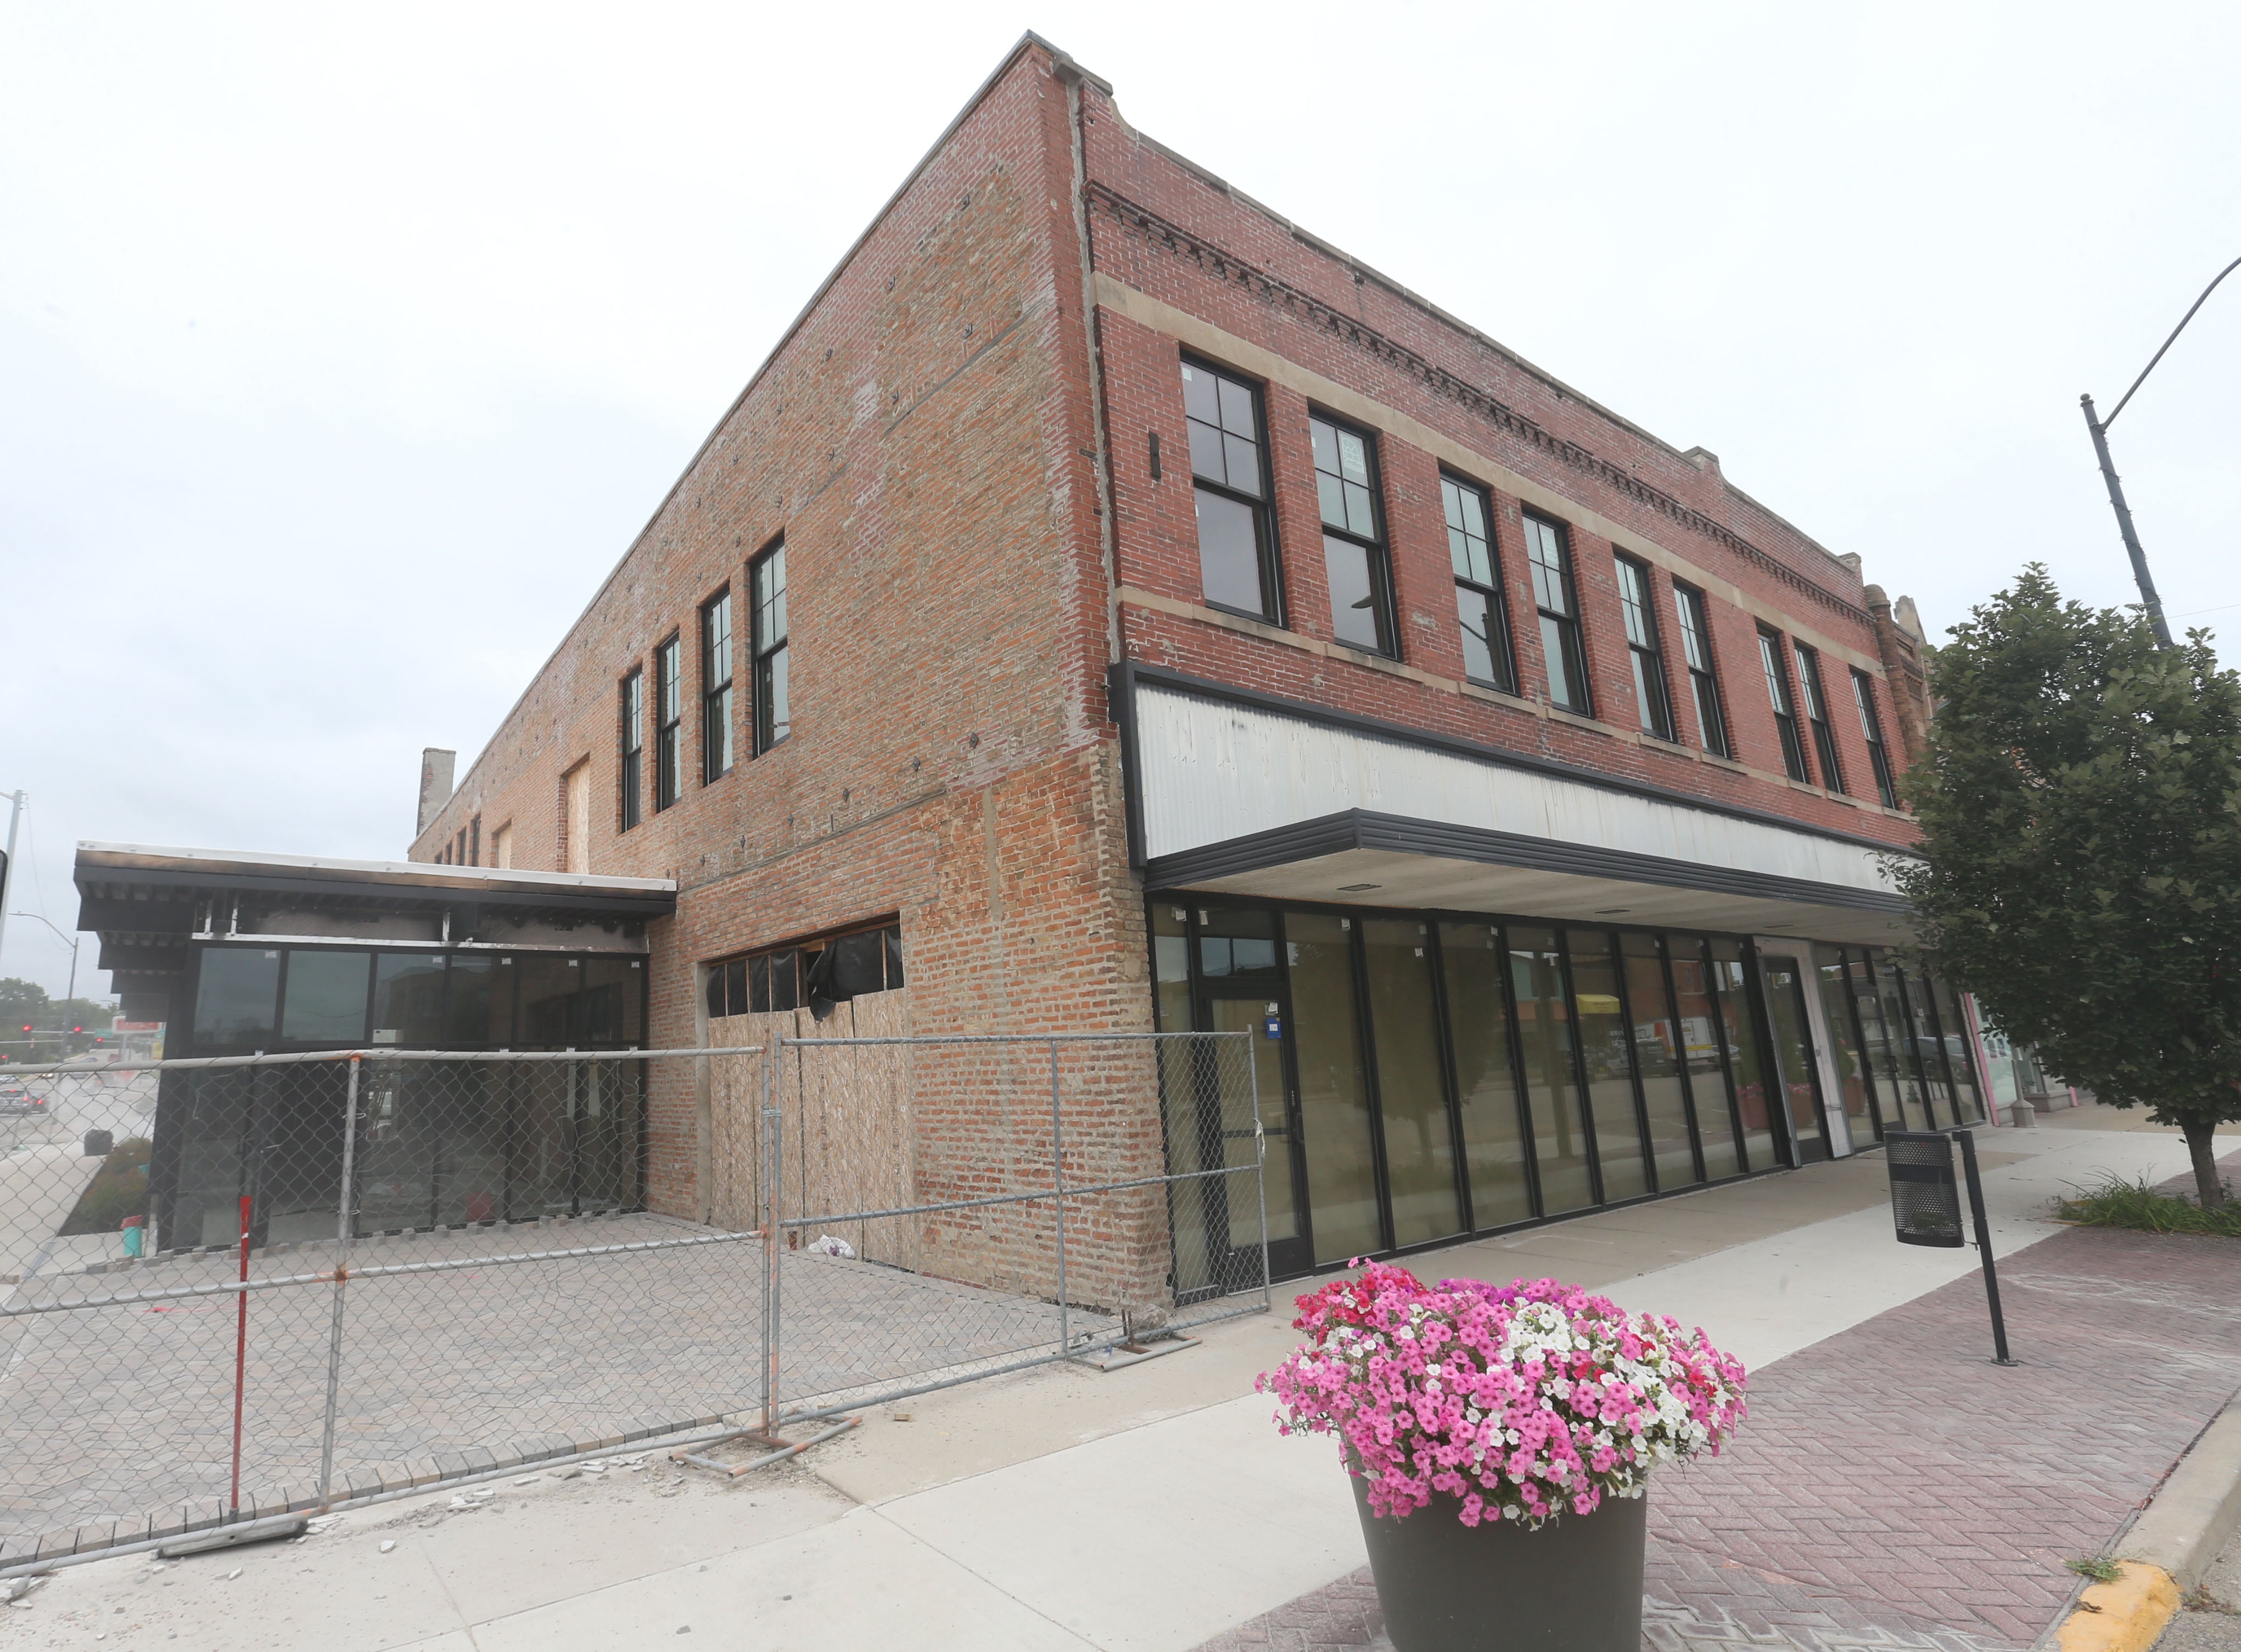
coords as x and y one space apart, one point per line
716 688
1479 604
1236 542
1817 717
1703 682
766 589
631 744
1638 599
669 696
1565 655
1872 730
1777 694
1354 537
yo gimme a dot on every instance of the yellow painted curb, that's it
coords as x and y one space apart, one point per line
2123 1616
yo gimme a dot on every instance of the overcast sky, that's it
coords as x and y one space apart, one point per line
342 349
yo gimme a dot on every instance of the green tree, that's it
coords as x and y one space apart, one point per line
2080 803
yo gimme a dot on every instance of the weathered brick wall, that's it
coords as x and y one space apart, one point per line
922 441
1185 262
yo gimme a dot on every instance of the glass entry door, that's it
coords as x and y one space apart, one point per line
1791 1022
1236 1215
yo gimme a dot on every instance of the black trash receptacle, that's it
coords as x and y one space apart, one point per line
99 1144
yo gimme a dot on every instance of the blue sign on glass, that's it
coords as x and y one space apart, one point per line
1275 1027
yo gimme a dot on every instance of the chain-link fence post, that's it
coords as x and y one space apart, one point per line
344 1223
1058 1197
772 1146
1259 1169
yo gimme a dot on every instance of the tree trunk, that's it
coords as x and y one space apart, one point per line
2207 1189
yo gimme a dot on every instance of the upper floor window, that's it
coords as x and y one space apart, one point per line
1872 729
807 973
1817 717
1354 537
1703 680
669 696
1479 606
1236 542
631 744
1777 694
716 687
1637 601
1561 648
475 841
766 589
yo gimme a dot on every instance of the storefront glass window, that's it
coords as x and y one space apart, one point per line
481 1002
1420 1155
1699 1032
1657 1059
325 1002
1334 1097
1236 945
1850 1061
1493 1145
1927 1053
1171 967
1606 1052
1739 1027
408 1001
236 998
1898 1060
1544 1038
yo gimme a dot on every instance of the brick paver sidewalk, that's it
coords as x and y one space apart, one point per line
1893 1488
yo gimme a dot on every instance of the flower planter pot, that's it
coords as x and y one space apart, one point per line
1574 1586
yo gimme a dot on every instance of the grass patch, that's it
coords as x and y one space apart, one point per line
2099 1567
2118 1203
118 1189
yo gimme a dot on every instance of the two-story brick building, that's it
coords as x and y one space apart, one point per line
1114 608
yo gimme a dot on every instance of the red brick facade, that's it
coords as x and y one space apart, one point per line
926 441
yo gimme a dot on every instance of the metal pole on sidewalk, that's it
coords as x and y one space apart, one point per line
1968 1140
1261 1171
347 1205
1058 1191
773 1146
240 1355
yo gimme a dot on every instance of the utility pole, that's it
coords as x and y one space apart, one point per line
8 867
2149 600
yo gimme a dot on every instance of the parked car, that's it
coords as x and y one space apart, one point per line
17 1102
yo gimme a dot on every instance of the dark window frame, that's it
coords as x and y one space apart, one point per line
1263 508
718 750
1814 692
1691 605
668 722
1871 731
1637 601
630 746
1571 638
733 983
772 656
1493 593
1773 659
1374 545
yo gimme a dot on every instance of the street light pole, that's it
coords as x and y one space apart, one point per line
75 942
8 867
2149 600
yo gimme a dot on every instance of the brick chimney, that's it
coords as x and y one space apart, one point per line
436 766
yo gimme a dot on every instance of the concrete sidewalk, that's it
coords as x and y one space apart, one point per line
1155 1507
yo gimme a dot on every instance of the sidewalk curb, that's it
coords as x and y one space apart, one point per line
2198 1507
2168 1549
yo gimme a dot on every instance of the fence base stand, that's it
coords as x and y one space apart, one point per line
259 1531
756 1436
1119 1356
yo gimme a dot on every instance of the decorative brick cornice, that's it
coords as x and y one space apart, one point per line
1226 267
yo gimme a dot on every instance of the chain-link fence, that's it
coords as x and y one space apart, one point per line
954 1206
235 1288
